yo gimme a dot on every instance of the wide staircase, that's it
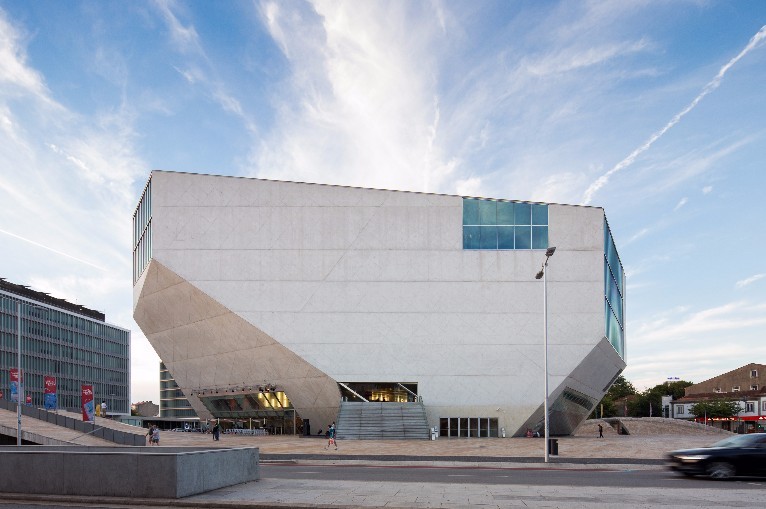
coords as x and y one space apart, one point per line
381 421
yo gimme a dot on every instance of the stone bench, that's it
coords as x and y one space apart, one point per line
141 472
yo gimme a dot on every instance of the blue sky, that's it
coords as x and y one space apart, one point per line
651 109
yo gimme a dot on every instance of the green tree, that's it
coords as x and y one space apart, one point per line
652 398
619 389
716 408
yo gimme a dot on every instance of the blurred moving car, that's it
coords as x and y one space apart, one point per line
740 455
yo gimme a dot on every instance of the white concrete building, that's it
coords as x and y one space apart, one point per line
291 296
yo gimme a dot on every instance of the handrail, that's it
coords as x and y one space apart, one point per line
352 391
406 389
108 434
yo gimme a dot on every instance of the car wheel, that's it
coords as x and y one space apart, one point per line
720 470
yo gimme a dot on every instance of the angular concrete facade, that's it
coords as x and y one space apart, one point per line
246 281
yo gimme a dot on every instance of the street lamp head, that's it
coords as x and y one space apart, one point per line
549 252
539 275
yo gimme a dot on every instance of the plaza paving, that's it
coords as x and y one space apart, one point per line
644 449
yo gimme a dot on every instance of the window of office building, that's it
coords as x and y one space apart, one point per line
504 225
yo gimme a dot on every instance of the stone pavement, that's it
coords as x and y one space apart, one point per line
612 453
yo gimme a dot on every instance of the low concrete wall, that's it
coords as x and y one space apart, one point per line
145 472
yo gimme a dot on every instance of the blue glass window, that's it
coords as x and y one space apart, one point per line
505 237
488 237
522 213
539 237
491 224
614 293
523 237
539 214
470 237
487 212
470 212
505 213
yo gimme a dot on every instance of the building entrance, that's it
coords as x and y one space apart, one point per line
379 392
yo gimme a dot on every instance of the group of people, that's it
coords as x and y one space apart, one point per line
154 435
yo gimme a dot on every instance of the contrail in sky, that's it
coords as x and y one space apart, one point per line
712 85
51 249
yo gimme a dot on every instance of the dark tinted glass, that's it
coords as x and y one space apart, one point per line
539 237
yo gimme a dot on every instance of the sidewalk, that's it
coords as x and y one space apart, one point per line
612 453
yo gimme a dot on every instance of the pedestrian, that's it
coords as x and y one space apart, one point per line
156 436
149 434
600 431
331 432
216 432
103 409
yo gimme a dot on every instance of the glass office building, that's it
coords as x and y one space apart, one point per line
70 342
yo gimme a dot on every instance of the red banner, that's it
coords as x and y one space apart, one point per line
15 385
88 411
49 397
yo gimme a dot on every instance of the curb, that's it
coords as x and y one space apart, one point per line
269 458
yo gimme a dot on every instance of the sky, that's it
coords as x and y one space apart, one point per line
653 110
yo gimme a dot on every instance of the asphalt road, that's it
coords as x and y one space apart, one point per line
529 476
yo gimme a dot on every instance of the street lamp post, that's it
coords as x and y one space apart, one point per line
548 253
20 391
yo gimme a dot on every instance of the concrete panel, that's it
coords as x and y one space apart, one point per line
243 354
133 472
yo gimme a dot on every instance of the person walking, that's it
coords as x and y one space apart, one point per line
153 433
600 431
216 432
103 409
331 432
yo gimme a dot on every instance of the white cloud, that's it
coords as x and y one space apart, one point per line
360 107
756 40
752 279
707 189
683 201
14 73
185 38
726 318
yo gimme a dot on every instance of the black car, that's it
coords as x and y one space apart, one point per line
740 455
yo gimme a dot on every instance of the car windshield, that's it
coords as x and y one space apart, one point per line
740 440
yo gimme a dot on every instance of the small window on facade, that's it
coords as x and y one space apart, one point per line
679 409
718 390
750 407
754 373
754 387
735 388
